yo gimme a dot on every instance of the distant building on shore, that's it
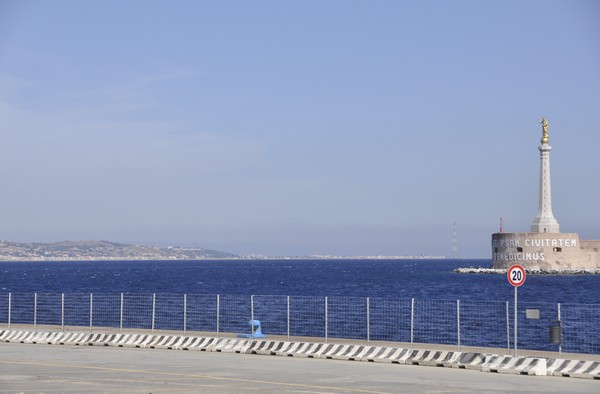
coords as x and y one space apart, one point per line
545 247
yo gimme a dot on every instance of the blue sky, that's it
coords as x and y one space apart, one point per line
296 127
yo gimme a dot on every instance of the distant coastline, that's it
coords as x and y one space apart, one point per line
101 250
112 251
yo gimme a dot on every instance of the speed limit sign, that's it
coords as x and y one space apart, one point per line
516 275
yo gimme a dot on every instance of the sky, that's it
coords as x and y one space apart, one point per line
296 127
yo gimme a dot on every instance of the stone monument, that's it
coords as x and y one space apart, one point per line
545 247
544 221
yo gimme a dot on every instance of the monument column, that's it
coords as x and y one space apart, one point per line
544 221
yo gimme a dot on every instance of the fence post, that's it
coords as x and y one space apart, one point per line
34 311
91 310
412 321
507 329
121 315
153 310
184 314
326 328
458 322
516 327
218 307
62 311
368 320
560 343
288 318
9 308
252 314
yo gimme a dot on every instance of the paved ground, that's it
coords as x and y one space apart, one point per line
405 345
73 369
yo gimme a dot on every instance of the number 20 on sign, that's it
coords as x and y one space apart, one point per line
516 275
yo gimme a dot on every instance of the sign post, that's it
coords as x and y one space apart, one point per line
516 277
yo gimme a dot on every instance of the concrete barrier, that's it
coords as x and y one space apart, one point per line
230 345
477 361
302 349
335 351
574 368
515 365
401 355
15 336
357 353
469 361
377 354
195 343
434 358
71 338
269 348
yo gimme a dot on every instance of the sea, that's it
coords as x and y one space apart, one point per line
397 278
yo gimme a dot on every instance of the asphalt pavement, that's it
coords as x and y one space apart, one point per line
29 368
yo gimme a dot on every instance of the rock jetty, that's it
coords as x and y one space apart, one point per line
577 271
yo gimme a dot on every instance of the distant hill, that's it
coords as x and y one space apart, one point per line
101 250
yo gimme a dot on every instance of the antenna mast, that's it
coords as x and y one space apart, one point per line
454 242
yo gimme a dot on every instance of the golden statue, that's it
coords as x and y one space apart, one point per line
544 123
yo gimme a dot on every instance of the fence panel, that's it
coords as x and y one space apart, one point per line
201 312
307 316
49 309
4 308
77 309
169 312
235 313
580 328
272 313
533 327
106 310
22 308
347 317
137 311
435 321
484 323
390 319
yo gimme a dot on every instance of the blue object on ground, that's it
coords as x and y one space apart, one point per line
256 330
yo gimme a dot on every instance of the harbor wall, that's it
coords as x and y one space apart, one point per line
544 251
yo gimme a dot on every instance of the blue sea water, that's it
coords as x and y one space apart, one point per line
419 278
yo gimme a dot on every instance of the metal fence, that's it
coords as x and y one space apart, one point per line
450 322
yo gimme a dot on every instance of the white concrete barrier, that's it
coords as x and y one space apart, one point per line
401 355
378 354
157 341
16 336
72 338
227 345
469 361
96 339
479 361
301 349
199 343
335 351
515 365
433 358
195 343
356 353
574 368
128 340
271 348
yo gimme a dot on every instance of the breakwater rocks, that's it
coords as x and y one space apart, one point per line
578 271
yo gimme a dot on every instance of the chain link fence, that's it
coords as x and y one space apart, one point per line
449 322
